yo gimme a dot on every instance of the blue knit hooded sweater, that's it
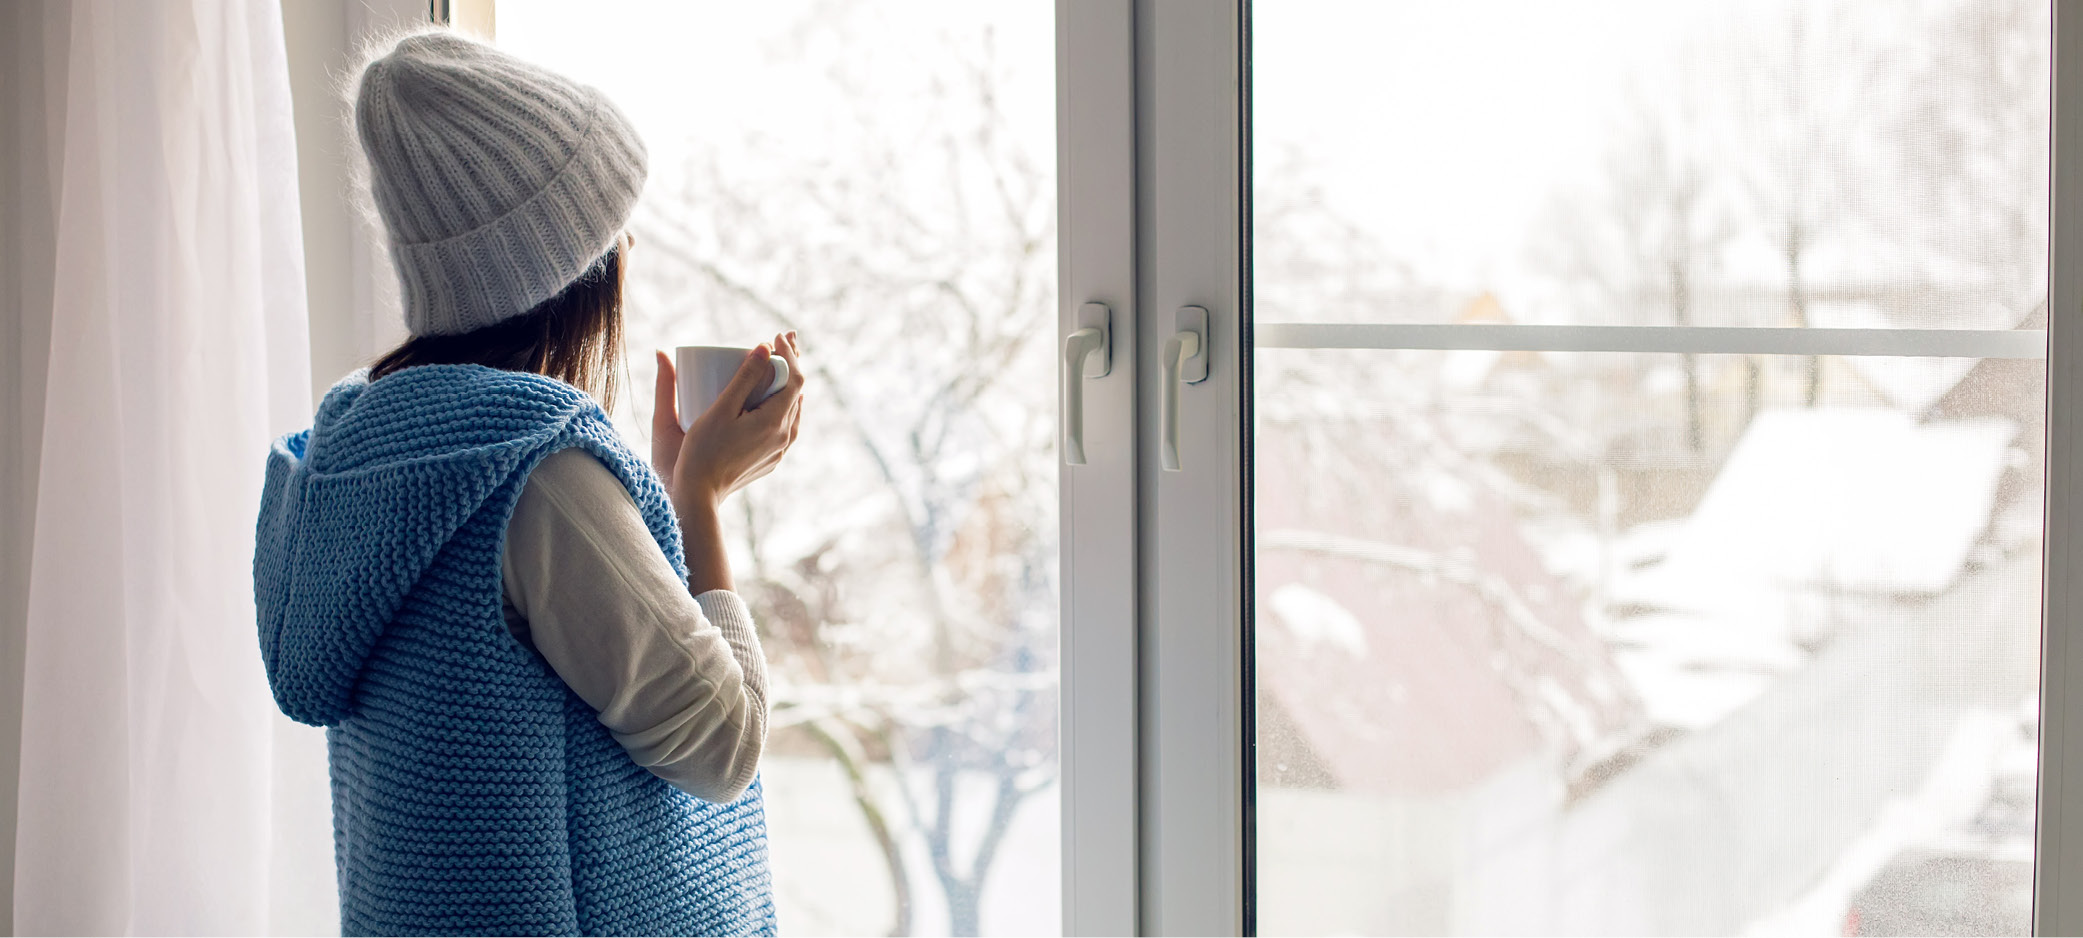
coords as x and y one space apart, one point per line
473 792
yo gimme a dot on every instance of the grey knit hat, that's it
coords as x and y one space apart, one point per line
500 182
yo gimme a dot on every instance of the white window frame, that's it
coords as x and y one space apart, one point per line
2058 872
1151 211
1193 189
1192 537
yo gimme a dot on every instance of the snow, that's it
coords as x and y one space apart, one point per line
1318 619
1819 516
1677 696
1691 671
1837 500
1688 642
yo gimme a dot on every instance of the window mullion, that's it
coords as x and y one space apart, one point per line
1191 185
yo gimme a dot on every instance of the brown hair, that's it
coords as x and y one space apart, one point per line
575 337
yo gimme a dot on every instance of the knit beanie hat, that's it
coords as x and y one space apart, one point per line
499 181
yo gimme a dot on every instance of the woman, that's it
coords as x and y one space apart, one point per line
546 706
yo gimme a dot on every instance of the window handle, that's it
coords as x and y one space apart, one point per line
1185 362
1087 353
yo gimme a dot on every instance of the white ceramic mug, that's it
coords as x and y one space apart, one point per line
704 370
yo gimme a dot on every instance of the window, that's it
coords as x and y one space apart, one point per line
1649 422
881 178
1585 366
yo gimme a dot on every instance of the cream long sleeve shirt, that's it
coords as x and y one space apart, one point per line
679 680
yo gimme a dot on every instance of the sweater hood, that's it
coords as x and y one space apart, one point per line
356 508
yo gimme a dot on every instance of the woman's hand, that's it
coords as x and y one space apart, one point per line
727 446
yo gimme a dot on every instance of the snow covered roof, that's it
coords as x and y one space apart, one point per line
1818 516
1857 500
1409 638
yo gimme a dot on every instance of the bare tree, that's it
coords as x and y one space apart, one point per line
1968 128
1799 88
1650 231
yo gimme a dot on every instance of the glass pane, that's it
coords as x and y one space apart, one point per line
1585 643
1827 163
881 178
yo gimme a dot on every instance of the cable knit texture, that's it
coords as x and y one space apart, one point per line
473 792
498 181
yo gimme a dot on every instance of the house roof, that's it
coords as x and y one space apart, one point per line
1851 499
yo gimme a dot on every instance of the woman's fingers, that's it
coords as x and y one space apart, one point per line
776 438
752 375
790 394
730 446
664 410
785 346
789 401
665 419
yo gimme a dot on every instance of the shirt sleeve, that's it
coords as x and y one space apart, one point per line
678 680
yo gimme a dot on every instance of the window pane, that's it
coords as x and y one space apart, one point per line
1528 662
1826 163
881 178
1648 643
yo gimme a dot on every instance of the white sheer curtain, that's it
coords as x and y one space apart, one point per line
156 263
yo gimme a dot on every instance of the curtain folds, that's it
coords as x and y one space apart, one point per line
159 791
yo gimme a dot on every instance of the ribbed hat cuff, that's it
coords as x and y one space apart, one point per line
508 266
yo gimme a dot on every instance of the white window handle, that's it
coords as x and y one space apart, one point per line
1185 362
1094 335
